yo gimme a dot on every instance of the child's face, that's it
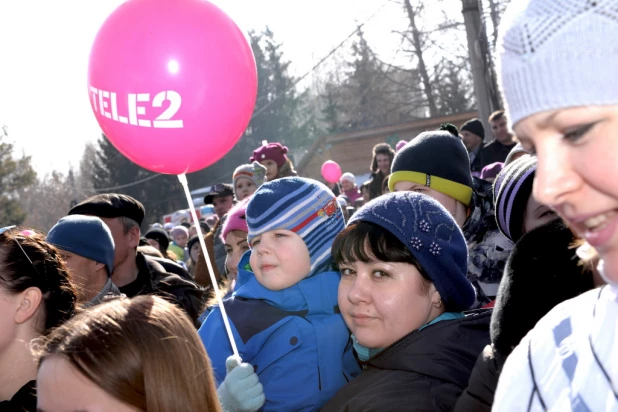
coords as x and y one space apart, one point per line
181 240
347 185
381 302
271 169
279 259
244 188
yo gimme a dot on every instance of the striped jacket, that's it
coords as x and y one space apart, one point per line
569 361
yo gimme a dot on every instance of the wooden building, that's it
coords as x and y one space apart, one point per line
352 150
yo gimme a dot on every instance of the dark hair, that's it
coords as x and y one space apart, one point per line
385 188
47 272
497 115
366 242
142 351
381 148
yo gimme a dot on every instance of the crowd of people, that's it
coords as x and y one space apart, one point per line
462 275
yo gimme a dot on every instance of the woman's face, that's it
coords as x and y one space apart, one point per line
536 215
235 246
384 163
271 169
195 250
577 151
60 388
382 302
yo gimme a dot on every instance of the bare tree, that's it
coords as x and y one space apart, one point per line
418 51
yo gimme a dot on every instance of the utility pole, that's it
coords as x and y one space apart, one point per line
477 47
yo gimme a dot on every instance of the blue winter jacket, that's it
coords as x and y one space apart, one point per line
295 338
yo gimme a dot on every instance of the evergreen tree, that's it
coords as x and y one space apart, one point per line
15 175
281 112
112 172
363 84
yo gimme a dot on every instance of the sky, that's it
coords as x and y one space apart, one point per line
45 44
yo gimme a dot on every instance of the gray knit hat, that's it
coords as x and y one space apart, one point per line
555 54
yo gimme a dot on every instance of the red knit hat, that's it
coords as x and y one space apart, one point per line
272 151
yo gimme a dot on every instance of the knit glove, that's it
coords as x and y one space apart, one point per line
241 391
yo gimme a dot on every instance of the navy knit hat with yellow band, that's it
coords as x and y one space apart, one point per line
436 159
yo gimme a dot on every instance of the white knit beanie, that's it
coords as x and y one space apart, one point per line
554 54
348 177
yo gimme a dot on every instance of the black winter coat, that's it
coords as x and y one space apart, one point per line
152 279
424 371
479 395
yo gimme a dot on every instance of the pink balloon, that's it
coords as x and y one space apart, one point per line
172 83
331 172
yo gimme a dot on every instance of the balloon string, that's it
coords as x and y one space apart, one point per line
213 279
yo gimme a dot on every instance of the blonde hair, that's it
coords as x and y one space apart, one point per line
142 351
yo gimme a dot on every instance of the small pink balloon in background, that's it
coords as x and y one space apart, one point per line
172 83
400 145
331 172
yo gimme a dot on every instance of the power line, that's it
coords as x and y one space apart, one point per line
107 189
320 62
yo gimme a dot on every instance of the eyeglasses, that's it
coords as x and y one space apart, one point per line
7 228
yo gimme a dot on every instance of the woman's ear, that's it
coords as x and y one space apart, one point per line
436 299
30 300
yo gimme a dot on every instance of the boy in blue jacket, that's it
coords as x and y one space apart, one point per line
283 313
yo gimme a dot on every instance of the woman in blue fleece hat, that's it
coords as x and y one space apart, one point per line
403 290
283 313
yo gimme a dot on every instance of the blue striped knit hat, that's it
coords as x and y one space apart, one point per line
303 206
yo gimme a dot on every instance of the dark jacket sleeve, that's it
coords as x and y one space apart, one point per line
479 395
375 185
201 275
